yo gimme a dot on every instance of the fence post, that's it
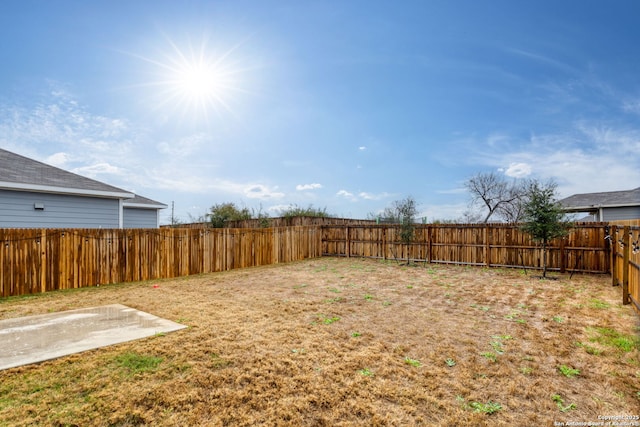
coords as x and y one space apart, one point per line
429 246
562 263
487 245
347 243
625 266
613 252
43 260
384 241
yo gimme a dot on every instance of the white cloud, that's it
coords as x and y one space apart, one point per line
344 193
92 171
276 209
459 190
184 146
371 196
518 170
362 148
631 106
259 191
303 187
58 160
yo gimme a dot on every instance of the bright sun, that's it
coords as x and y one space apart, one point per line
198 81
194 82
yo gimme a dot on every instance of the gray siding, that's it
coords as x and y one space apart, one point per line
140 218
60 211
628 212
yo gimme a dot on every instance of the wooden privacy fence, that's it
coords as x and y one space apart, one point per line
625 264
493 245
40 260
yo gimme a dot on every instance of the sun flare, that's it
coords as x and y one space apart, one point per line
195 82
198 81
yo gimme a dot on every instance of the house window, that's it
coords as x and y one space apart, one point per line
38 206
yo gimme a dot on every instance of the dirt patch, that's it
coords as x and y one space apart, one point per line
343 342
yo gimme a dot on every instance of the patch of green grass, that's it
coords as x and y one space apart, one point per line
513 315
450 362
386 303
560 403
589 349
356 334
568 371
487 408
502 337
489 355
137 363
612 338
413 362
334 300
329 320
526 370
336 290
368 297
558 319
497 347
219 362
596 303
366 372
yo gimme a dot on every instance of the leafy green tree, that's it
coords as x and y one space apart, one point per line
221 213
402 212
543 216
406 209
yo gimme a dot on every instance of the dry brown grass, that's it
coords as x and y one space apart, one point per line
332 342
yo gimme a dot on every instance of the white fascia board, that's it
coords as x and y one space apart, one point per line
63 190
143 206
597 207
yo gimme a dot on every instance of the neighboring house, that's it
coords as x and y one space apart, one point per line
608 206
37 195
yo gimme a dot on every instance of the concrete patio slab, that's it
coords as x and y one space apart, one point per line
33 339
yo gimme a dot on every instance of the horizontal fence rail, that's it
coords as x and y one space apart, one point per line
584 250
40 260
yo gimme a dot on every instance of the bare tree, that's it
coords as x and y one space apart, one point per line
500 197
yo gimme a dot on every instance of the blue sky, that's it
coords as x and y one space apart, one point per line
343 105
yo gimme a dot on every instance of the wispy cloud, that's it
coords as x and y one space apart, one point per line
518 170
372 196
304 187
262 192
585 158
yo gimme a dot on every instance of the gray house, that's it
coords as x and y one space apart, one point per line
608 206
37 195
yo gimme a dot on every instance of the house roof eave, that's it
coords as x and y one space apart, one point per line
15 186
